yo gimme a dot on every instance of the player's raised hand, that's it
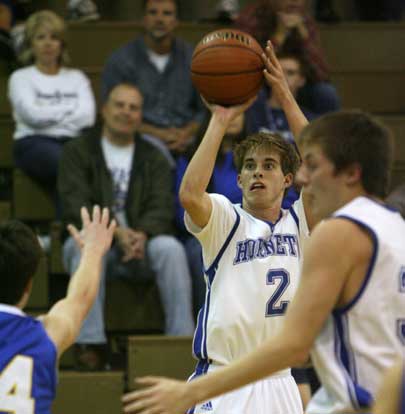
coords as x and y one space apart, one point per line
97 231
274 75
162 396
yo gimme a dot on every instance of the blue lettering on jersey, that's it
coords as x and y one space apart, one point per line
276 245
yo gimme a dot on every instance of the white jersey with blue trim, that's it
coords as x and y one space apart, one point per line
360 341
251 270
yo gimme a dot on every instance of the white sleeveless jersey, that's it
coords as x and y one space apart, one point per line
359 342
251 271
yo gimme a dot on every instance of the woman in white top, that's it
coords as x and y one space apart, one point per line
51 103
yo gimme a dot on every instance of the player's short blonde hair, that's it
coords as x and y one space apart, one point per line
289 157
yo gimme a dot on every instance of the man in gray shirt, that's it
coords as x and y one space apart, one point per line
158 63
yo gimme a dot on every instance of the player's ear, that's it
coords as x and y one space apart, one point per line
288 180
239 182
353 173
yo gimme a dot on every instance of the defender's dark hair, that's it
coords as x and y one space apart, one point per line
289 156
20 254
355 137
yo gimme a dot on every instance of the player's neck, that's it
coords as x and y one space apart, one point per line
271 214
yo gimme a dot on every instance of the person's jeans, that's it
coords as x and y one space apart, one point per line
38 157
194 256
168 260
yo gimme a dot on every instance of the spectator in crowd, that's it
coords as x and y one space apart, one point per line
375 10
266 113
51 103
158 63
290 27
223 181
7 56
397 199
82 10
114 166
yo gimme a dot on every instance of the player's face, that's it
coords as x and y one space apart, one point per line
292 73
160 18
46 47
122 112
262 180
325 188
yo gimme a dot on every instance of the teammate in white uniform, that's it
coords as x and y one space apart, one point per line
251 255
349 307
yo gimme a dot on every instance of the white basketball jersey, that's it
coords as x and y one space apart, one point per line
360 341
251 270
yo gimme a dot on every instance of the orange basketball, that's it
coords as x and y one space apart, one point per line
227 67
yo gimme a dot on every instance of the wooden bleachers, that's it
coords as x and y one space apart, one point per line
162 355
85 393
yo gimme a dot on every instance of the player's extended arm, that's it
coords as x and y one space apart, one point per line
275 78
193 187
322 281
389 396
65 318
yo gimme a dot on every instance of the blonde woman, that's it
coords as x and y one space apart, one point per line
51 102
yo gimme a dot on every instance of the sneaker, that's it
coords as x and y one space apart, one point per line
83 11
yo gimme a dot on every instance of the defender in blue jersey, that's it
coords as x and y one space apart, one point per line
349 309
29 347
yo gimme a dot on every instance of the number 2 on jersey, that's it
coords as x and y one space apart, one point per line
15 386
275 306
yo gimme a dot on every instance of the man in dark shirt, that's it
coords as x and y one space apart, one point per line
158 63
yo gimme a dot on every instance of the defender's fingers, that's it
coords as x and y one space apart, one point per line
85 216
105 216
74 232
96 214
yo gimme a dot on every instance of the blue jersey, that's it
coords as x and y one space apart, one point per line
27 364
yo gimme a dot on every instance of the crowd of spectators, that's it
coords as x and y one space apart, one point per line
152 122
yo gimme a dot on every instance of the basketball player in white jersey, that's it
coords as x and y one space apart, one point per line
252 255
349 308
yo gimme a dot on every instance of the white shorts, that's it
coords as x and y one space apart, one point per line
277 394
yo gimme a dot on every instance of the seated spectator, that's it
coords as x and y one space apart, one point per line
7 56
266 113
290 27
113 166
223 181
379 10
158 63
51 103
82 10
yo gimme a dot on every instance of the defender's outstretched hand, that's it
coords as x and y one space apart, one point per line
274 75
163 396
97 231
